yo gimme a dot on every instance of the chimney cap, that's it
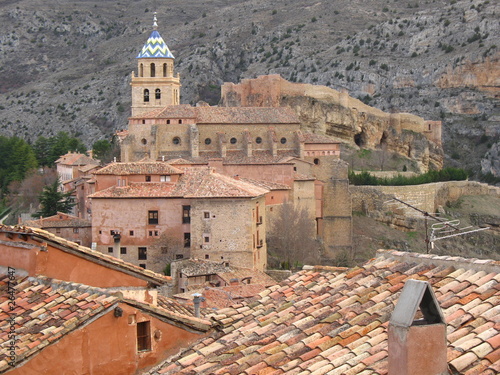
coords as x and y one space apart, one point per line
415 294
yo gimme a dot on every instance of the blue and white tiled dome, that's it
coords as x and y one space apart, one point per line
155 46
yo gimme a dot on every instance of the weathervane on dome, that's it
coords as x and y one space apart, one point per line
155 22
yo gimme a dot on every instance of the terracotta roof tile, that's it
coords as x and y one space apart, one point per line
36 329
195 182
85 252
336 322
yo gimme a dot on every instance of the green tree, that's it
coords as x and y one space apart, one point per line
52 200
48 150
17 158
102 150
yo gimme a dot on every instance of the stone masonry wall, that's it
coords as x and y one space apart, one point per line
427 197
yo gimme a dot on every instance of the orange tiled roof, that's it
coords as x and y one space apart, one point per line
91 255
146 167
76 159
59 220
319 321
179 308
266 184
44 312
223 296
196 182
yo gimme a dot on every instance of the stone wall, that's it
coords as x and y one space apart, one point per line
427 197
225 230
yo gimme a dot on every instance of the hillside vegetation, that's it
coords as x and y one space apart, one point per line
65 65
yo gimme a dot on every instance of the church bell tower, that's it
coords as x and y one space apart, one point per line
155 85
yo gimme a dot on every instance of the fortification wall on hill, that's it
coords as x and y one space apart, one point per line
328 111
427 197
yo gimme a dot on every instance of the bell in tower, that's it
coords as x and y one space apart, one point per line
155 85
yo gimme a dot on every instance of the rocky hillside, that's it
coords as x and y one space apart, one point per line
66 65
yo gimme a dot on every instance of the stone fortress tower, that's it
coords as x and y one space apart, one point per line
155 86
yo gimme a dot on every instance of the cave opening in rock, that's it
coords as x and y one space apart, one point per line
383 140
360 139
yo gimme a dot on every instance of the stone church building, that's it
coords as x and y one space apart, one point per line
260 146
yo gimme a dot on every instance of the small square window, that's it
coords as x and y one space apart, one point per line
110 250
206 239
123 250
75 230
58 230
143 253
207 256
187 239
156 233
179 256
150 233
206 215
131 233
164 178
148 178
142 265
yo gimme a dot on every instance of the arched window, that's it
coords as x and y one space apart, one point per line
141 70
164 69
153 72
157 94
146 95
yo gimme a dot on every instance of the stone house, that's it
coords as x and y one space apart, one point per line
149 213
68 165
67 226
193 274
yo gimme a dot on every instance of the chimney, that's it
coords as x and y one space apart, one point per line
196 301
116 244
417 347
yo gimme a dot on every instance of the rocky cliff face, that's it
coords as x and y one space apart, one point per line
68 68
326 111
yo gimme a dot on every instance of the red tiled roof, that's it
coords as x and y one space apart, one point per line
44 312
140 167
196 182
85 252
266 184
76 159
59 220
173 306
318 321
